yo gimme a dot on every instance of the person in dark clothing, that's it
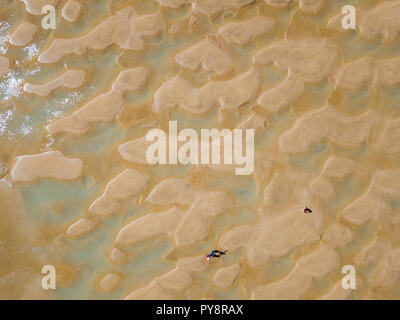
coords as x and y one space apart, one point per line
216 254
307 210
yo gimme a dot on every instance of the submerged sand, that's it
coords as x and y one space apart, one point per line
78 193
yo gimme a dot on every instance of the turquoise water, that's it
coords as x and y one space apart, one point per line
313 160
346 191
362 236
41 198
99 141
52 206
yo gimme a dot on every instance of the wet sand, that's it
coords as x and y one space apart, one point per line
76 191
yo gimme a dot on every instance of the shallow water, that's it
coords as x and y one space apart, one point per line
294 149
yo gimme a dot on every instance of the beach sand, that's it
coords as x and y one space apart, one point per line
76 191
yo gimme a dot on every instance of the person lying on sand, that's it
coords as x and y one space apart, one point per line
307 210
215 254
